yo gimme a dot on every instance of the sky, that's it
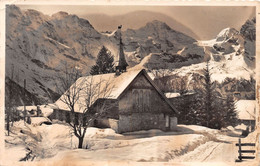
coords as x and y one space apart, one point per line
205 22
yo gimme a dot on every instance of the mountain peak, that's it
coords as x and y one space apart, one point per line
13 11
227 30
60 15
248 29
71 19
33 12
157 24
226 33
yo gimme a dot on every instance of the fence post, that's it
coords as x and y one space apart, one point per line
239 150
25 113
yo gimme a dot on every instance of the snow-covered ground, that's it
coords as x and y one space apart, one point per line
188 143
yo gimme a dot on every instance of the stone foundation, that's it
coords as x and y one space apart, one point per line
141 121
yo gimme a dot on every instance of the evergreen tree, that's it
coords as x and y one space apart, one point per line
197 107
211 109
230 117
208 111
207 95
189 108
183 104
104 63
217 120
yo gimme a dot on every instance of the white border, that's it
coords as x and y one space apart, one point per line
118 3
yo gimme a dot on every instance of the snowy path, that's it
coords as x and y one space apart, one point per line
222 150
190 143
211 152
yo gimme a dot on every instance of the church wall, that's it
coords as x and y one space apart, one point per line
141 108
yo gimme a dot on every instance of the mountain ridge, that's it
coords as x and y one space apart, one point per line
137 19
38 45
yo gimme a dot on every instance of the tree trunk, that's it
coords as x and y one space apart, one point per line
80 142
8 123
12 117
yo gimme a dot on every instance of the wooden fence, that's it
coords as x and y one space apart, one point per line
240 151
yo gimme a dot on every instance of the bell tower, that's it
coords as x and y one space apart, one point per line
122 64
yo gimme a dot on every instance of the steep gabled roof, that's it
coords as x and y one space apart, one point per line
154 85
115 87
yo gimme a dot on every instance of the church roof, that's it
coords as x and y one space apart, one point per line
109 86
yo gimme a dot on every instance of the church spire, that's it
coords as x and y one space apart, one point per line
122 64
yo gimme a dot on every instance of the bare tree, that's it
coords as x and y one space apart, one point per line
9 105
169 82
80 94
180 84
162 78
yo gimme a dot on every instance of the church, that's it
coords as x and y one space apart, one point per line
136 103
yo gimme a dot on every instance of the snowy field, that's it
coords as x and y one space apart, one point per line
189 144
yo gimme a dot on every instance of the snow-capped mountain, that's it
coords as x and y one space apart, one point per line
38 45
158 37
231 58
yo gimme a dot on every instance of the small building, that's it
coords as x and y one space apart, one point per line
246 110
137 103
36 111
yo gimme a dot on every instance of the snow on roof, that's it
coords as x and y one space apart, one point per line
171 95
39 120
241 127
174 94
113 84
45 109
21 108
246 109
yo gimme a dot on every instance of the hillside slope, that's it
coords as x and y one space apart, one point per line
39 45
